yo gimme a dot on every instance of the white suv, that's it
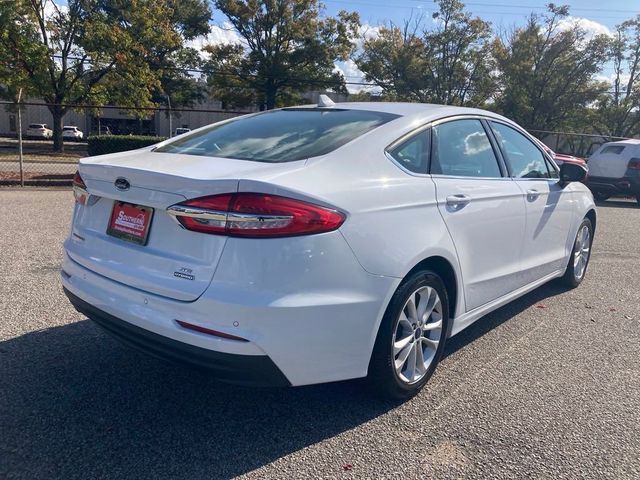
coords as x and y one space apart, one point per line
70 132
614 169
39 130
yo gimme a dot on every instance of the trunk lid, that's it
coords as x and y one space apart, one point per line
175 262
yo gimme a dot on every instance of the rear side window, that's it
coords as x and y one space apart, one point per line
36 125
613 149
462 148
524 157
281 135
413 154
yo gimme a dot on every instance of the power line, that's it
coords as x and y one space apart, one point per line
230 74
433 9
540 7
236 75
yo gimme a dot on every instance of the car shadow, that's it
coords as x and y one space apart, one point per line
618 203
74 403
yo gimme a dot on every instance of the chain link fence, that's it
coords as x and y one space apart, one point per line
27 154
577 144
34 161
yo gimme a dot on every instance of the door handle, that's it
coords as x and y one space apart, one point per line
458 201
532 194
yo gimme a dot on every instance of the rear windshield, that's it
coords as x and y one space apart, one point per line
614 149
281 135
68 128
36 125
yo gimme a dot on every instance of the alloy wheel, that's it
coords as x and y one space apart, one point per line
417 334
581 252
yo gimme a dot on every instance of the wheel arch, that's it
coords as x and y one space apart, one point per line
447 272
591 215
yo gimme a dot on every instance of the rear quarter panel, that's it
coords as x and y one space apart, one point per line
392 221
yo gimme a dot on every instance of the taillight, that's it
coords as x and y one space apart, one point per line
634 164
255 215
80 189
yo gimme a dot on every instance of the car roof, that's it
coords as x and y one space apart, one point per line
422 111
629 141
69 126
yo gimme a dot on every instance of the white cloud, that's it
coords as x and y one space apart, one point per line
219 35
591 27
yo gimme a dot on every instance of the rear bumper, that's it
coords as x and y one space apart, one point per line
628 185
253 370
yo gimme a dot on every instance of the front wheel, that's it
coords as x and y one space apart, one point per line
580 255
411 337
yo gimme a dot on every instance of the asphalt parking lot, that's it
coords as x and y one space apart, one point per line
546 387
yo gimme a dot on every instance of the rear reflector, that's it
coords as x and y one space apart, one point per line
255 215
208 331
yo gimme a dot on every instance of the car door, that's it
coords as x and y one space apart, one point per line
549 206
481 206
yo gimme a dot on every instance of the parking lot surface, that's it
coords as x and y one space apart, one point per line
546 387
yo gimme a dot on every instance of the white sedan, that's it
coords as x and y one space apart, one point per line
323 243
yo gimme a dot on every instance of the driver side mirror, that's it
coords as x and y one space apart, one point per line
572 172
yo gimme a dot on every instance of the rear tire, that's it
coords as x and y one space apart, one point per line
411 337
580 255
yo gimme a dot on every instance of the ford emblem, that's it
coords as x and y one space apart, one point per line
122 184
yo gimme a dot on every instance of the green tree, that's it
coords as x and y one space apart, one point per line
617 112
547 72
97 50
451 63
286 47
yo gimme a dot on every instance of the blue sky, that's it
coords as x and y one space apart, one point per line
499 12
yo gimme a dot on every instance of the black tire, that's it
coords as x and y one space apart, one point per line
600 196
638 200
571 277
383 378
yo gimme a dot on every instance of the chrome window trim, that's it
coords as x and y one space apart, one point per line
404 169
463 177
399 141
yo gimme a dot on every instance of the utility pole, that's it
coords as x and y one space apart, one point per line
20 138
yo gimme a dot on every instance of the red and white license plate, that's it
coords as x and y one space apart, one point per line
130 222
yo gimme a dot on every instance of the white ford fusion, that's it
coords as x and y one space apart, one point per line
322 243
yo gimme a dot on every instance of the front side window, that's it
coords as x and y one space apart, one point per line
283 135
526 160
462 148
413 154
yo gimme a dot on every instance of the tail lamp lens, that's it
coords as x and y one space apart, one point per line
80 189
255 215
634 164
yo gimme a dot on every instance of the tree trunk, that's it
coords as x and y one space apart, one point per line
270 95
57 112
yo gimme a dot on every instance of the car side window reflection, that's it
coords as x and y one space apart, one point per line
413 154
526 160
462 148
